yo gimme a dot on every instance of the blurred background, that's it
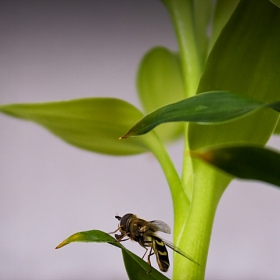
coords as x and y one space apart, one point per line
60 50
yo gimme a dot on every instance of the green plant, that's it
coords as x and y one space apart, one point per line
236 63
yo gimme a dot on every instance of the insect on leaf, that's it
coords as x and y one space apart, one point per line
136 267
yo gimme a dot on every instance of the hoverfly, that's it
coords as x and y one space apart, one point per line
143 232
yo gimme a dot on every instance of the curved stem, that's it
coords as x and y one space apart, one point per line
179 197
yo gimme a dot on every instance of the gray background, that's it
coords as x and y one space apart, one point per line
57 50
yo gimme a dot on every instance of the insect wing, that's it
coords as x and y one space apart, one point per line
179 251
160 226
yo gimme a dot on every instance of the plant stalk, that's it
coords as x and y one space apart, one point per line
209 185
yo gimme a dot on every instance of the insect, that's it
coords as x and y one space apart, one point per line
144 232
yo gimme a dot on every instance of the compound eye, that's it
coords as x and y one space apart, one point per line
124 221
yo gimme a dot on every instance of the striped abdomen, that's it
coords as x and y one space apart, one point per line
161 253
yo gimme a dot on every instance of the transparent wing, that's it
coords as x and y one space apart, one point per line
160 226
179 251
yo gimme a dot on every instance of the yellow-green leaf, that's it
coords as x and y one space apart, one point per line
223 11
89 236
94 124
160 82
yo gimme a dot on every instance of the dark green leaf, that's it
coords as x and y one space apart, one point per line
209 107
136 267
160 82
93 124
275 2
245 162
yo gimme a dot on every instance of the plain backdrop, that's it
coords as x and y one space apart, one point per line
59 50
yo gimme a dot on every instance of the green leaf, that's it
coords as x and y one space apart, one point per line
90 236
208 107
160 82
245 162
275 2
244 60
94 124
277 128
223 11
136 267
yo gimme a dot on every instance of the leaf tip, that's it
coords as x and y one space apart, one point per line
206 156
63 243
125 136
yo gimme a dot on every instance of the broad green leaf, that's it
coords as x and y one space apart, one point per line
223 11
277 128
160 82
275 2
245 162
136 267
93 124
244 60
208 107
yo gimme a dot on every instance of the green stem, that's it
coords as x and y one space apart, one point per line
179 197
193 229
182 15
209 186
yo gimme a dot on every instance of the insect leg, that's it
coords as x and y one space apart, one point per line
149 261
145 252
144 244
115 230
